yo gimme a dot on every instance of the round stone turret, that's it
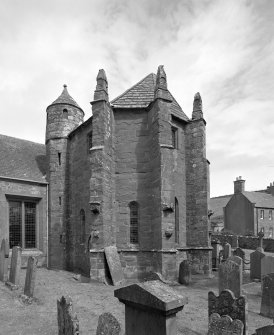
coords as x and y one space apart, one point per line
63 115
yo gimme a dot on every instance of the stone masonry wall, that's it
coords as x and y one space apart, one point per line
11 189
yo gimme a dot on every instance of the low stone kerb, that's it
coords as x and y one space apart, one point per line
152 295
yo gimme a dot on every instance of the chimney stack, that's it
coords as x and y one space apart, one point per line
270 189
239 185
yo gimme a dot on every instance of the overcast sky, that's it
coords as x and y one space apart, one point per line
223 49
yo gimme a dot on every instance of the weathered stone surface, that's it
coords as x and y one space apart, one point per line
231 276
68 323
240 253
267 302
30 276
224 325
267 266
150 308
108 325
114 265
267 330
15 266
185 272
227 304
255 264
227 251
4 254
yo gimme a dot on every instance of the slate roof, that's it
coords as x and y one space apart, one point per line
65 98
142 94
261 199
22 159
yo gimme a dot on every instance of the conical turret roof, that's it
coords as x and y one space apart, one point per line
66 99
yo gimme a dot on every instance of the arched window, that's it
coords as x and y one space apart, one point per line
176 221
65 113
134 222
83 225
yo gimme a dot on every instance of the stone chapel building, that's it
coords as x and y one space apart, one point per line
134 175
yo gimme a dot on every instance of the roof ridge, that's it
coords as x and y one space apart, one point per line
139 82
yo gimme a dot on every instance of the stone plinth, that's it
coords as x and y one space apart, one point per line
150 308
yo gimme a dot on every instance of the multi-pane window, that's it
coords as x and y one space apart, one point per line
134 222
176 221
261 214
270 217
83 225
174 132
22 224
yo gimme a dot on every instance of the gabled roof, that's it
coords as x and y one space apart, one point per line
261 199
22 159
65 98
142 94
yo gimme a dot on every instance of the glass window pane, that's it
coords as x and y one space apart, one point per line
30 225
15 223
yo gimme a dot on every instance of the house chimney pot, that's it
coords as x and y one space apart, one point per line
239 185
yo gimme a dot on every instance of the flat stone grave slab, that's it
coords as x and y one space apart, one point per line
114 264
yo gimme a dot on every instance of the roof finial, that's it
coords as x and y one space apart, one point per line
101 91
65 86
197 107
161 85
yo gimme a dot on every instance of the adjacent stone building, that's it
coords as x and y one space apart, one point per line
247 213
134 175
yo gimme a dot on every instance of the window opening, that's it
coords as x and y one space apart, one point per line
90 140
270 215
59 158
262 214
60 201
65 113
83 225
134 222
174 132
22 224
270 235
176 221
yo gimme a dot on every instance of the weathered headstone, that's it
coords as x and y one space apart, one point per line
114 264
267 330
108 325
261 240
15 268
68 323
150 308
255 264
30 276
267 265
224 325
227 251
267 302
240 253
185 272
231 275
234 241
216 245
227 304
4 258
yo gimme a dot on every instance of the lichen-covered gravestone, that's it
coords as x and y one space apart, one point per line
227 304
255 264
185 273
231 276
224 325
68 323
227 251
108 325
114 264
30 276
15 269
267 266
267 302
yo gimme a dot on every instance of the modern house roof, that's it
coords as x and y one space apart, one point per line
142 94
261 199
22 159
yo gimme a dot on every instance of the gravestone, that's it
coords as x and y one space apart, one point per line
261 240
231 275
227 251
240 253
4 260
267 302
255 264
267 265
227 304
150 308
185 272
267 330
68 323
15 268
216 245
224 325
234 241
114 265
30 276
108 325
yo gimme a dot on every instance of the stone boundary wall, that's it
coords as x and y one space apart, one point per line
245 242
